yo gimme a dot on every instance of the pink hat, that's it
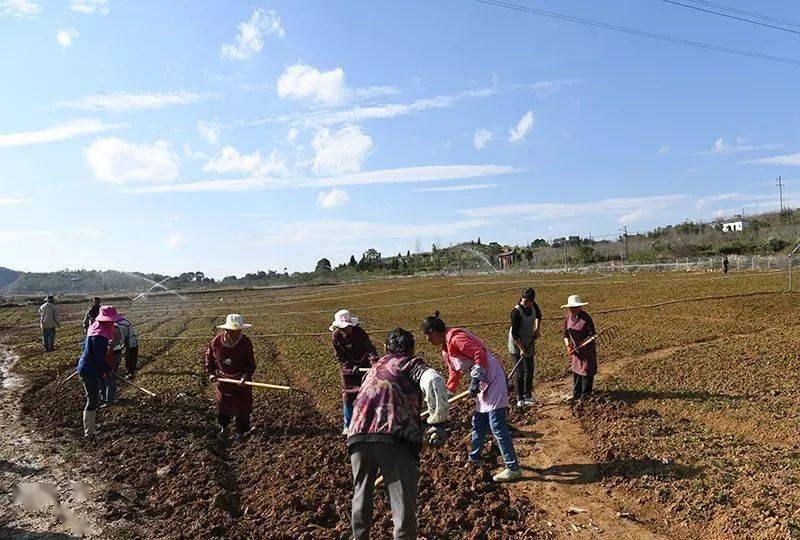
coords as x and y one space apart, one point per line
108 314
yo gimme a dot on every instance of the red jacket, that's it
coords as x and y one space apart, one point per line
232 363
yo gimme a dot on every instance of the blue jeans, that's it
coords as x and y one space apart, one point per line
108 385
347 413
49 339
496 420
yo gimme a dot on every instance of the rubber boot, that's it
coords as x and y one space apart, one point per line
89 423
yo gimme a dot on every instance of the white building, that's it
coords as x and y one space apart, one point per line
735 226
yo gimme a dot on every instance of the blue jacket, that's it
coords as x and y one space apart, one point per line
93 360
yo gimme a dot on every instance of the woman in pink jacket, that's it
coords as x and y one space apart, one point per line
464 352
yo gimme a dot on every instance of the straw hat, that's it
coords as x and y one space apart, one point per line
342 319
234 321
574 301
108 314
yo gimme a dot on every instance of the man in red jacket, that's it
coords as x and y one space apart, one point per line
353 350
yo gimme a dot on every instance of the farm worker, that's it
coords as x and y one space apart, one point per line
725 264
48 320
108 384
130 343
526 317
353 350
386 432
463 352
579 326
91 313
92 366
230 356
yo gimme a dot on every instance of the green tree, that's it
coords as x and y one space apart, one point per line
353 262
323 266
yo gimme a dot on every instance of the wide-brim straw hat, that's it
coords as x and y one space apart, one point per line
234 321
342 319
574 301
108 314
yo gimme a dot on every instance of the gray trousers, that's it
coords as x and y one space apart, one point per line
49 339
400 469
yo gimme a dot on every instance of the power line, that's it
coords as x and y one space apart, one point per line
636 32
753 14
729 16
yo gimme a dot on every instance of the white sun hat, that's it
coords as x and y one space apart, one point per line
574 301
234 321
343 319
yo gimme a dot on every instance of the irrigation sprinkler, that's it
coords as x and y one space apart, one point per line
262 385
123 379
789 267
379 480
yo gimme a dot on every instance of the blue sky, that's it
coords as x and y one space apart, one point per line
233 136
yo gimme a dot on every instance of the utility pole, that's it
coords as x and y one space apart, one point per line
780 192
625 235
565 256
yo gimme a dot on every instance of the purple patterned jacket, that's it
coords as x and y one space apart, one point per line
388 406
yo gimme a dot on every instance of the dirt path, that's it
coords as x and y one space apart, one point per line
561 476
26 460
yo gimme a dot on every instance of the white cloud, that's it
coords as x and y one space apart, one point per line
209 131
174 217
19 8
720 147
792 160
307 82
175 240
341 152
333 198
481 138
300 232
462 187
627 208
230 160
250 38
66 37
543 89
663 150
59 132
116 161
523 127
401 175
300 81
90 7
292 135
4 201
126 102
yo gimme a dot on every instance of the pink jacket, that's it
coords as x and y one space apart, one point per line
463 350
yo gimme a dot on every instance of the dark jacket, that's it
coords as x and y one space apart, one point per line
92 362
353 351
90 316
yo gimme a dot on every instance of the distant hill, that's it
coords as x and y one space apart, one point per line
8 276
74 282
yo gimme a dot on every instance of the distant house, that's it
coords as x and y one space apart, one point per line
506 259
574 239
735 226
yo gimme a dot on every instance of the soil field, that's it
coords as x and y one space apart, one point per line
693 432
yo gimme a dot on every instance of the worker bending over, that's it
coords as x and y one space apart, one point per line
463 352
386 433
